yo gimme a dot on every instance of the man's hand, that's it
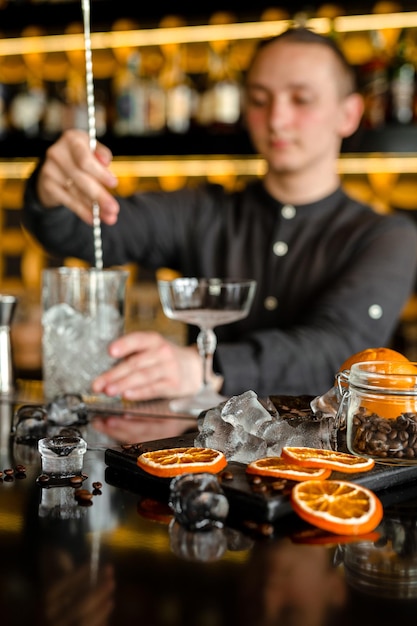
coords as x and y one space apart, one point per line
73 176
151 367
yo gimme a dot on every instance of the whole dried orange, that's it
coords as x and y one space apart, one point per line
337 506
373 354
170 462
278 467
331 459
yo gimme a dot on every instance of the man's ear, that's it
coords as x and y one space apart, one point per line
352 112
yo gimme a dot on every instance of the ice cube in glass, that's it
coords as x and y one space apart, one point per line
62 456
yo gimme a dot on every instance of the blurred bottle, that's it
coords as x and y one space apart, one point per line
180 93
4 122
140 100
331 12
13 77
389 35
129 108
124 81
155 103
195 64
55 74
27 105
3 117
402 82
139 104
75 109
220 104
104 65
373 79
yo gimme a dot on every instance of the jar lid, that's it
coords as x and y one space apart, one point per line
392 377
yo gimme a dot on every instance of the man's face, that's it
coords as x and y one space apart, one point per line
295 111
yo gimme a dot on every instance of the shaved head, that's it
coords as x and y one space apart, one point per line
344 72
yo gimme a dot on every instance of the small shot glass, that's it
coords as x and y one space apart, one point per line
62 456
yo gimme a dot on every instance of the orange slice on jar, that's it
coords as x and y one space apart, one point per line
170 462
337 506
277 467
331 459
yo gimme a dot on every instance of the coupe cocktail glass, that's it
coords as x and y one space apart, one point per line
206 303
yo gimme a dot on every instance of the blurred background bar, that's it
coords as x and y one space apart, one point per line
168 104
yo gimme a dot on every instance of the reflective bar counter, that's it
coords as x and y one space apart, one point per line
117 556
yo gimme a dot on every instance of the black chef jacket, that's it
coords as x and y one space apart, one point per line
332 276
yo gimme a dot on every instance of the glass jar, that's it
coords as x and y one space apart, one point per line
379 405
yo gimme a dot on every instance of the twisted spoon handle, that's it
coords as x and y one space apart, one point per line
91 113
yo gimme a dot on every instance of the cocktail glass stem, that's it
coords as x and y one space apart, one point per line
205 303
206 344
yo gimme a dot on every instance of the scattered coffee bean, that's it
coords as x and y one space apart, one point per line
83 496
97 485
43 479
9 471
84 502
226 475
267 530
259 487
82 493
76 481
278 485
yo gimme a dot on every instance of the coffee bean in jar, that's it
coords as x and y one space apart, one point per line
381 411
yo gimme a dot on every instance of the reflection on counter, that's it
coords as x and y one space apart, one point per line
388 567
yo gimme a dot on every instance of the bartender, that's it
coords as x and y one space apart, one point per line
332 274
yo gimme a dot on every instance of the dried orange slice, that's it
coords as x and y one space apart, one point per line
316 457
173 461
278 467
338 506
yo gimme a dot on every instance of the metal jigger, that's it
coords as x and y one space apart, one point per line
7 309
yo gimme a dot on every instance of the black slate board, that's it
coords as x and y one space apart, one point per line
244 500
